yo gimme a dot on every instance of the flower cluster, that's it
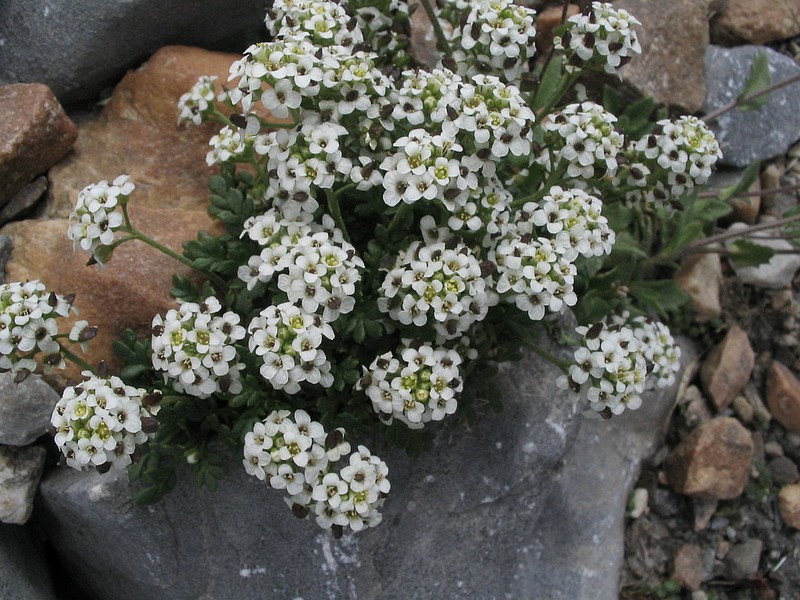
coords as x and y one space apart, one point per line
325 23
95 219
389 230
288 340
100 422
438 283
581 141
316 269
296 454
494 36
676 157
417 385
193 346
28 314
534 260
600 37
609 371
198 103
660 350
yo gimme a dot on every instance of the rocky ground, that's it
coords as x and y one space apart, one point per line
711 542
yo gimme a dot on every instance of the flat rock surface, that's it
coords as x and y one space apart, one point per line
126 293
746 137
35 133
489 513
673 36
137 134
23 572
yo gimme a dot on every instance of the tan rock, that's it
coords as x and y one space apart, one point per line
35 133
728 368
745 209
713 461
783 395
700 276
137 134
674 36
789 504
687 566
128 292
757 21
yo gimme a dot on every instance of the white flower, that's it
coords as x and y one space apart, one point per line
100 422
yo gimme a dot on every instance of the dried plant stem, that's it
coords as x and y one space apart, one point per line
750 97
699 246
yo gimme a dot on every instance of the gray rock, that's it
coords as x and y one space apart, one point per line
24 200
778 272
746 137
489 513
23 572
25 409
742 560
20 470
783 470
79 48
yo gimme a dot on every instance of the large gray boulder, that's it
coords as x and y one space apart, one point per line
25 409
80 47
770 131
23 571
514 508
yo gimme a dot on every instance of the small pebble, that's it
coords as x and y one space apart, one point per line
639 503
743 409
773 448
722 548
783 470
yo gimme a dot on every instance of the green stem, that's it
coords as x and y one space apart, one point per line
74 358
399 216
567 80
336 212
564 365
441 41
135 234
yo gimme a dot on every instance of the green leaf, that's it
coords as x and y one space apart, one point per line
682 237
709 210
627 244
660 295
757 79
749 254
549 85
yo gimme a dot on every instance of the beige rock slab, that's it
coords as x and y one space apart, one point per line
137 134
674 36
127 292
783 395
728 368
35 133
757 21
700 276
712 462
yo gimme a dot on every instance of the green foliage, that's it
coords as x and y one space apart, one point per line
749 254
758 79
